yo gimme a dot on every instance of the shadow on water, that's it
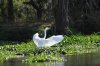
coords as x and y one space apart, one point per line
90 59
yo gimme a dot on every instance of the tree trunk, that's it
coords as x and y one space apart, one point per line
39 13
3 10
61 16
10 11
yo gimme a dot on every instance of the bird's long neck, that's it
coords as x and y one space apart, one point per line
45 33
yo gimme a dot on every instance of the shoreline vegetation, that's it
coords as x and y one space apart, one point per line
77 44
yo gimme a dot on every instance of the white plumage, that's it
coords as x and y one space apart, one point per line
43 42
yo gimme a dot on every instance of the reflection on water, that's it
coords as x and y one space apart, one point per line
83 60
14 62
48 64
92 59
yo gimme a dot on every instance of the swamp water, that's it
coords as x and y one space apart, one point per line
89 59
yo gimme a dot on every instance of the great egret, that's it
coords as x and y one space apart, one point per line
43 42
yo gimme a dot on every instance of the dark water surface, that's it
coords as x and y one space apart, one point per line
92 59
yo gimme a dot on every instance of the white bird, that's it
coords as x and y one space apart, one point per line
43 42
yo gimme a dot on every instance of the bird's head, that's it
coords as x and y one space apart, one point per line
47 28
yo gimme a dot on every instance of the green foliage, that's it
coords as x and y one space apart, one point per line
70 45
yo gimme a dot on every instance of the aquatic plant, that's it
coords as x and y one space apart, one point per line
70 45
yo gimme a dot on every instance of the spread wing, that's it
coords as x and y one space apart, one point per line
53 40
36 41
40 42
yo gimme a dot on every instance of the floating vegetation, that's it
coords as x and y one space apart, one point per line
69 46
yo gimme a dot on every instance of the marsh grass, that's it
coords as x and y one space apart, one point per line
70 45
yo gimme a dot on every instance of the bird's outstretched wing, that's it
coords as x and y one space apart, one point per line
53 40
36 39
36 42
